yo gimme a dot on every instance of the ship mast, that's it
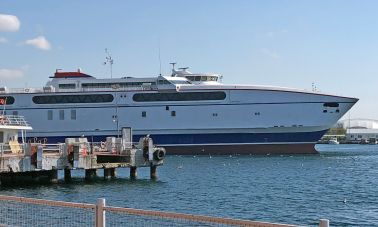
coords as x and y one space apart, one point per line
109 60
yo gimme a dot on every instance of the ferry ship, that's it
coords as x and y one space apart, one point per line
186 113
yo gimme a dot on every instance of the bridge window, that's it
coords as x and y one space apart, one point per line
67 86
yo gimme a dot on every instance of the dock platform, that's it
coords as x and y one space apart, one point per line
38 162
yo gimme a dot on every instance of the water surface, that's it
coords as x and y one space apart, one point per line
340 184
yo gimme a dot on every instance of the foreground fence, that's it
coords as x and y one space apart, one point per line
20 211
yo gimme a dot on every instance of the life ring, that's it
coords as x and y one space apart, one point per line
102 145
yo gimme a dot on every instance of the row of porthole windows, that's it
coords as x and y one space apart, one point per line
61 115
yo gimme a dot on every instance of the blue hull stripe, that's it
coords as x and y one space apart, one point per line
218 138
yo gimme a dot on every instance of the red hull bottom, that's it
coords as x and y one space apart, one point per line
243 149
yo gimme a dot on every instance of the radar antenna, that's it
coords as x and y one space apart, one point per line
173 68
184 68
173 65
109 60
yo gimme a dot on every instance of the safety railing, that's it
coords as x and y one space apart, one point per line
20 211
13 120
13 149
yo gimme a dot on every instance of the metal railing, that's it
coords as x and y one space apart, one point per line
20 211
15 120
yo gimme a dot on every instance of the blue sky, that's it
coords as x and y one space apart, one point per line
333 44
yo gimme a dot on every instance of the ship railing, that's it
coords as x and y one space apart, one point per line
128 88
22 90
15 120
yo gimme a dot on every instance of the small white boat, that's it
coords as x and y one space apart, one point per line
333 141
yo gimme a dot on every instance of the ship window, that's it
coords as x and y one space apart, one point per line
49 115
144 114
61 114
67 86
166 107
324 111
73 114
62 99
1 137
184 96
197 78
331 104
173 113
6 100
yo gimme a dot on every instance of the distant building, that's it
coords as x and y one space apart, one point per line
360 130
362 135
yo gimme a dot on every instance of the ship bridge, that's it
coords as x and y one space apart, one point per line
197 78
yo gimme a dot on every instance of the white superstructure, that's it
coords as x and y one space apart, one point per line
186 113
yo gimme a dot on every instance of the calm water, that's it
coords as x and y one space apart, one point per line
340 185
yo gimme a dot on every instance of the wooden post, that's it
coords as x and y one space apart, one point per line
67 175
133 172
153 174
323 223
100 213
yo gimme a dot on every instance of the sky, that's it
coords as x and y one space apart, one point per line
332 44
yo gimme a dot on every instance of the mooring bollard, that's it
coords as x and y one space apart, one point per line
100 213
323 223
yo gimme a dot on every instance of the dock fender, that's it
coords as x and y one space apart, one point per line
159 153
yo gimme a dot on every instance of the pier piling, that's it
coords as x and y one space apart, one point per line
113 172
153 173
53 176
90 174
67 175
133 172
107 173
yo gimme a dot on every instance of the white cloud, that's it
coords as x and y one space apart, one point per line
40 42
270 53
3 40
9 23
7 74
